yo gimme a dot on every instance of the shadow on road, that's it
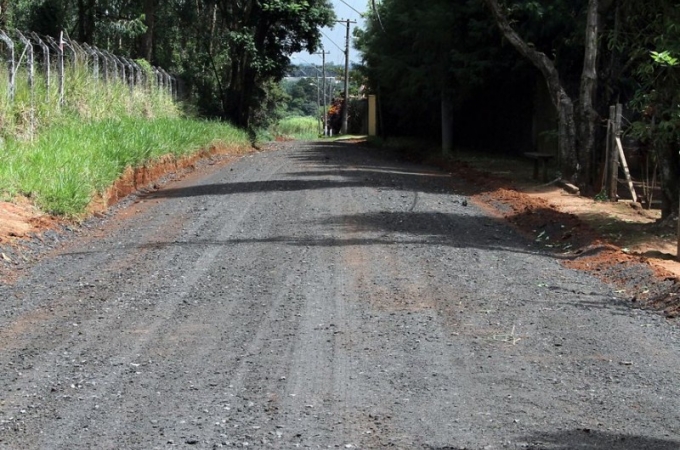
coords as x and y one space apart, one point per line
585 439
345 165
379 228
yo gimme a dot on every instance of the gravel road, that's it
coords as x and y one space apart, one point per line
325 296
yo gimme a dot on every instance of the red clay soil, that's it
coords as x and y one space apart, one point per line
23 227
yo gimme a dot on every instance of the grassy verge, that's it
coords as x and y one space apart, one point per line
60 155
300 128
68 164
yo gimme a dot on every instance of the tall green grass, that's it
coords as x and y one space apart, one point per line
85 97
301 128
68 153
67 165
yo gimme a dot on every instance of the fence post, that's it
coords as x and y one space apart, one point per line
123 71
167 82
59 47
46 56
139 74
105 63
11 65
132 74
114 60
95 60
116 63
31 77
73 47
129 73
159 78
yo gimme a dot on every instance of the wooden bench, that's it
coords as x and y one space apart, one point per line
540 161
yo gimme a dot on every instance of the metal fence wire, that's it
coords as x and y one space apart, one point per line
29 56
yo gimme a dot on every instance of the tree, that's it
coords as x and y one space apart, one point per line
147 41
576 131
4 13
415 54
303 97
86 20
262 36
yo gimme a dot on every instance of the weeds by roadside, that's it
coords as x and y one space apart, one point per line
60 155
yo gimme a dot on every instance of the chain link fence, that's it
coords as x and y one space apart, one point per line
30 58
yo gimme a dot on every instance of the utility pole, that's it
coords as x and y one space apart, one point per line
345 110
323 89
318 101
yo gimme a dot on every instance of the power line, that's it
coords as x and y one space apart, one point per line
309 64
333 42
353 8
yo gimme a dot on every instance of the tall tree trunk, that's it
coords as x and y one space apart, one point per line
568 157
236 100
4 13
587 114
147 41
86 20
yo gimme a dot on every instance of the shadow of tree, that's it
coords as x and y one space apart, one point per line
356 167
585 439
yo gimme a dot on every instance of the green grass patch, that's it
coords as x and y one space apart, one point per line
300 128
68 164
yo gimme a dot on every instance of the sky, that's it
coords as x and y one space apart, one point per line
334 39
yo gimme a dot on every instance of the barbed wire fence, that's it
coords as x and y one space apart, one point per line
28 54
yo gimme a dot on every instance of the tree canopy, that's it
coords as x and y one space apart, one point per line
227 52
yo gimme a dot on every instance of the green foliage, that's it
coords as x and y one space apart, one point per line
664 58
303 96
62 155
301 128
272 106
643 45
48 18
271 31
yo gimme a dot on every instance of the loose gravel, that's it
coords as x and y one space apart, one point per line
325 296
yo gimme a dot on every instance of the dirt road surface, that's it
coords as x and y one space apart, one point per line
324 296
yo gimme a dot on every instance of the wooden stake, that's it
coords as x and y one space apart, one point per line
624 163
606 171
